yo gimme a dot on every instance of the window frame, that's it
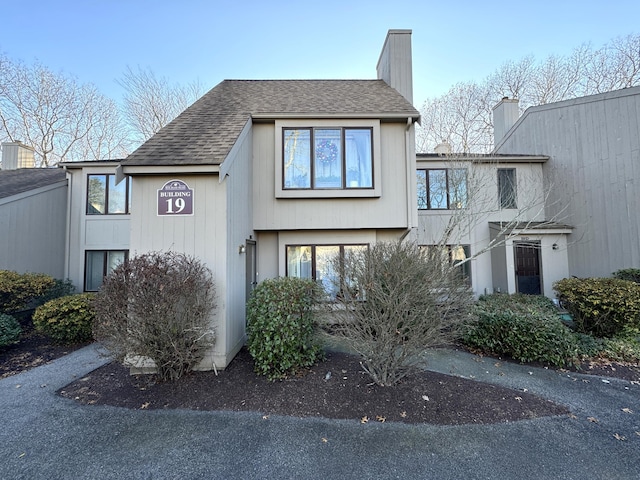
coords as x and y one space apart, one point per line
313 247
107 176
510 202
105 265
426 205
465 268
328 124
341 157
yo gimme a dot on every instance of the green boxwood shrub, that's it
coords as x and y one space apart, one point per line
10 330
526 328
66 320
18 290
631 274
603 307
281 326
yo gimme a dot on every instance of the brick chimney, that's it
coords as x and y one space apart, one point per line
395 66
17 155
505 115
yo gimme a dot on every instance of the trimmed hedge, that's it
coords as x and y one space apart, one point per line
631 274
603 307
18 290
526 328
66 320
281 326
10 330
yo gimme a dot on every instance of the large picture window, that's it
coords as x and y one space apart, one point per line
316 262
105 197
327 158
100 263
442 189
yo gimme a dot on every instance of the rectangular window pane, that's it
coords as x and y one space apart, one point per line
117 195
422 189
457 188
437 189
114 259
297 158
299 262
325 271
97 194
94 267
328 159
358 158
460 253
507 192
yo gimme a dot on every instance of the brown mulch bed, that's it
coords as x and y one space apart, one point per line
347 393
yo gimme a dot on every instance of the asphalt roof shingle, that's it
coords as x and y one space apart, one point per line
13 182
205 132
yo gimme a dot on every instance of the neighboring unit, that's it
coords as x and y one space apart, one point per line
33 203
592 176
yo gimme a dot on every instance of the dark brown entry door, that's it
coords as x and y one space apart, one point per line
528 267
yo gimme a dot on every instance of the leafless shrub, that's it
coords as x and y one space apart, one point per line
157 306
396 300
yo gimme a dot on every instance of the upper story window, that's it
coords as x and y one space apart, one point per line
442 189
507 191
104 197
327 158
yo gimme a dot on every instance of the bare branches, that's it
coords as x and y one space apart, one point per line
150 102
60 118
463 115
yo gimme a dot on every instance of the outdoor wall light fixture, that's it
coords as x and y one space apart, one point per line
242 249
554 246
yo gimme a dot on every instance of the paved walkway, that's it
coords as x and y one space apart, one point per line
44 436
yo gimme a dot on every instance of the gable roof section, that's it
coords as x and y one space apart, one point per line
13 182
205 132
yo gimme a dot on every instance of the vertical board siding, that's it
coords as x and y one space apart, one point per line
32 237
594 145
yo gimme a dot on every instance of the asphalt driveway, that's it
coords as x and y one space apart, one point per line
44 436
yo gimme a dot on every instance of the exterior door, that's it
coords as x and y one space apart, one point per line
528 267
251 268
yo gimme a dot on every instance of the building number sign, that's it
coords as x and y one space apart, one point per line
175 198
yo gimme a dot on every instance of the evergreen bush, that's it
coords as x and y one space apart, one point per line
280 326
10 330
603 307
66 320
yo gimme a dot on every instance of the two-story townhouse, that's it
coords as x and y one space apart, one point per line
489 212
258 179
593 173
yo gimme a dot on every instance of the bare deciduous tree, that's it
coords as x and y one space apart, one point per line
463 115
60 118
150 102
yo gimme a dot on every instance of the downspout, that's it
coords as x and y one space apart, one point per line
67 258
409 183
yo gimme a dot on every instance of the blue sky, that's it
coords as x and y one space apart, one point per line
208 41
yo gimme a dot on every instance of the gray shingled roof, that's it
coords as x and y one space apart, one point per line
205 132
13 182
